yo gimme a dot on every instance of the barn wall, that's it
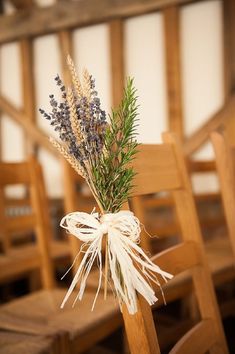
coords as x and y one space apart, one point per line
202 77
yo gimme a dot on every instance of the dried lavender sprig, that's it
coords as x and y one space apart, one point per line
80 121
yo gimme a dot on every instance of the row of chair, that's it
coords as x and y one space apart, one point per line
195 265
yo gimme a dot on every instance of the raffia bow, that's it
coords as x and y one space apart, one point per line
131 270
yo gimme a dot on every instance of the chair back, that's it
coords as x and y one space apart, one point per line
225 165
17 258
162 168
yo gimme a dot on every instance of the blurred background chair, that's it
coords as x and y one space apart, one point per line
39 313
11 343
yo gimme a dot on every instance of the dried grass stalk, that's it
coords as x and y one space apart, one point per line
73 162
75 78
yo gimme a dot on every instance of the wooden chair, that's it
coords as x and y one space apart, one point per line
39 313
162 167
16 260
225 163
12 343
218 249
34 220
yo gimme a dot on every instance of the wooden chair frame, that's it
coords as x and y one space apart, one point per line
19 260
225 164
163 168
29 314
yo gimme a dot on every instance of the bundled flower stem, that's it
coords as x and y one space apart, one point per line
101 153
98 151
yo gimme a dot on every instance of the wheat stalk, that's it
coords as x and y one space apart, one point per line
73 162
73 116
86 84
74 76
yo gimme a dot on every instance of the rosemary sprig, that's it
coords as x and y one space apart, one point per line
113 173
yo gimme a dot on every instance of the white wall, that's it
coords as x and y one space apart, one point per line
202 70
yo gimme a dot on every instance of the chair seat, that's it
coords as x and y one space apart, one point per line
60 249
20 259
40 313
221 258
12 343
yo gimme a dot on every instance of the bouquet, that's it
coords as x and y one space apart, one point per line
101 151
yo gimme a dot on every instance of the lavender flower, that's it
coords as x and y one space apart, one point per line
79 121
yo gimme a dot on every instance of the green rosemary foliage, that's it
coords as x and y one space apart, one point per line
113 174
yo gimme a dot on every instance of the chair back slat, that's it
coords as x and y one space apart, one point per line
14 173
225 164
20 223
18 263
179 258
17 259
201 336
156 170
170 174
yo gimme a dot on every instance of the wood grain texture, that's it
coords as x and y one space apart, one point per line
28 89
202 337
116 39
173 69
156 170
188 255
18 260
225 163
140 330
66 48
74 14
14 173
44 228
23 4
174 260
187 216
229 46
19 343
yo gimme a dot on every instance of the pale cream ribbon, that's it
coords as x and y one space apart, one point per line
134 271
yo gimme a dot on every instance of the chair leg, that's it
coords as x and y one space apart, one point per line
126 349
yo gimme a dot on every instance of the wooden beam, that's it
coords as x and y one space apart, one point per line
28 88
201 166
65 45
1 140
173 69
72 14
1 7
117 60
229 45
197 139
36 135
22 4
